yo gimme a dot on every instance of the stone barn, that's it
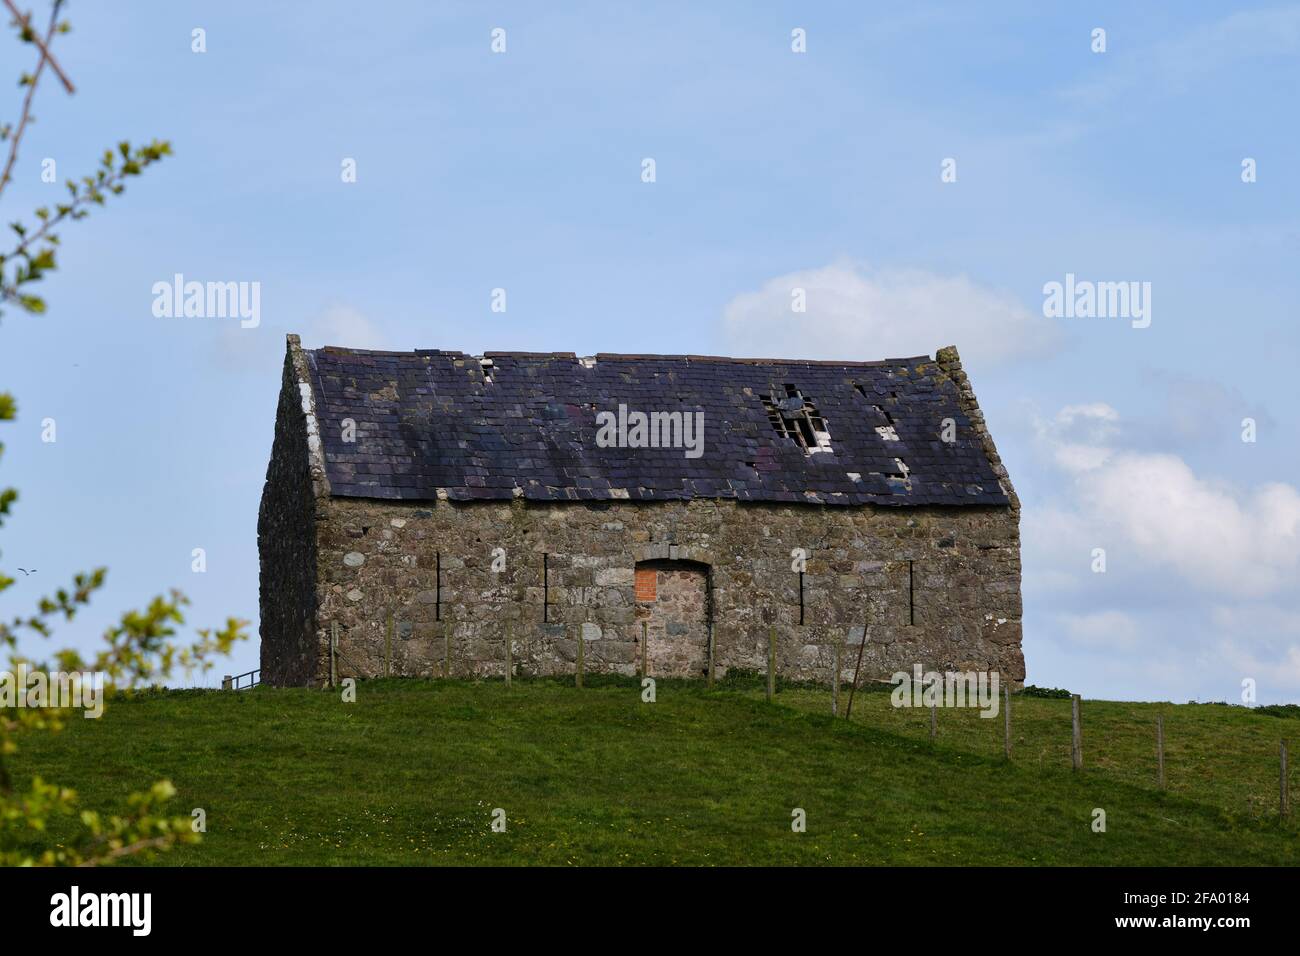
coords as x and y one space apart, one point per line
423 508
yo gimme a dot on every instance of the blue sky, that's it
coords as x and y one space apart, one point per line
774 170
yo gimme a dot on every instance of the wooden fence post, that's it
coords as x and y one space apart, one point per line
1284 792
577 681
853 688
510 664
771 662
835 679
1076 739
227 682
1006 719
1160 750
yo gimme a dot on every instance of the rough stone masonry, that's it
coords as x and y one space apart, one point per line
421 509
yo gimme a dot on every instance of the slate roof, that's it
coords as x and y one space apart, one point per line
435 424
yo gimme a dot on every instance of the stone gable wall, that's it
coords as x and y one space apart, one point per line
377 577
286 544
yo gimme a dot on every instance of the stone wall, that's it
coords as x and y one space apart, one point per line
676 618
408 583
286 542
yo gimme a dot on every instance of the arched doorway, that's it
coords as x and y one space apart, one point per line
672 597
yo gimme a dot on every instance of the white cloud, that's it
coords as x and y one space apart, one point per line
1214 534
1199 410
1256 618
1101 417
1078 436
860 315
1203 569
1274 666
344 326
261 350
1261 641
1100 629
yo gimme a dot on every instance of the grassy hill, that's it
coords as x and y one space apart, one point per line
411 772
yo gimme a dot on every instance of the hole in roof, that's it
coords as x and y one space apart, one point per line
795 417
877 408
899 475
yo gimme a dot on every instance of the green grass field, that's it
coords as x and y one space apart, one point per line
411 772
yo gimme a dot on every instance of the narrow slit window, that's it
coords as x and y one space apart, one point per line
546 587
800 597
911 593
437 587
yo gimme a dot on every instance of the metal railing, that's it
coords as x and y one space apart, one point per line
237 682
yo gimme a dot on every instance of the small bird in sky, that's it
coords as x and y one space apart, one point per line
25 571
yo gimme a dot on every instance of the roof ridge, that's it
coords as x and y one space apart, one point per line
629 357
741 360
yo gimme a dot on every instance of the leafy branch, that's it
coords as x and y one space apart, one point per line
139 649
115 167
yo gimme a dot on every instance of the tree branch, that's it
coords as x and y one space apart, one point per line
43 45
153 843
24 19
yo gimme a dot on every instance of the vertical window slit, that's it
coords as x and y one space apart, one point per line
437 587
546 587
800 597
911 593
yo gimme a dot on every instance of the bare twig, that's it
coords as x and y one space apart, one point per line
152 843
17 136
44 45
